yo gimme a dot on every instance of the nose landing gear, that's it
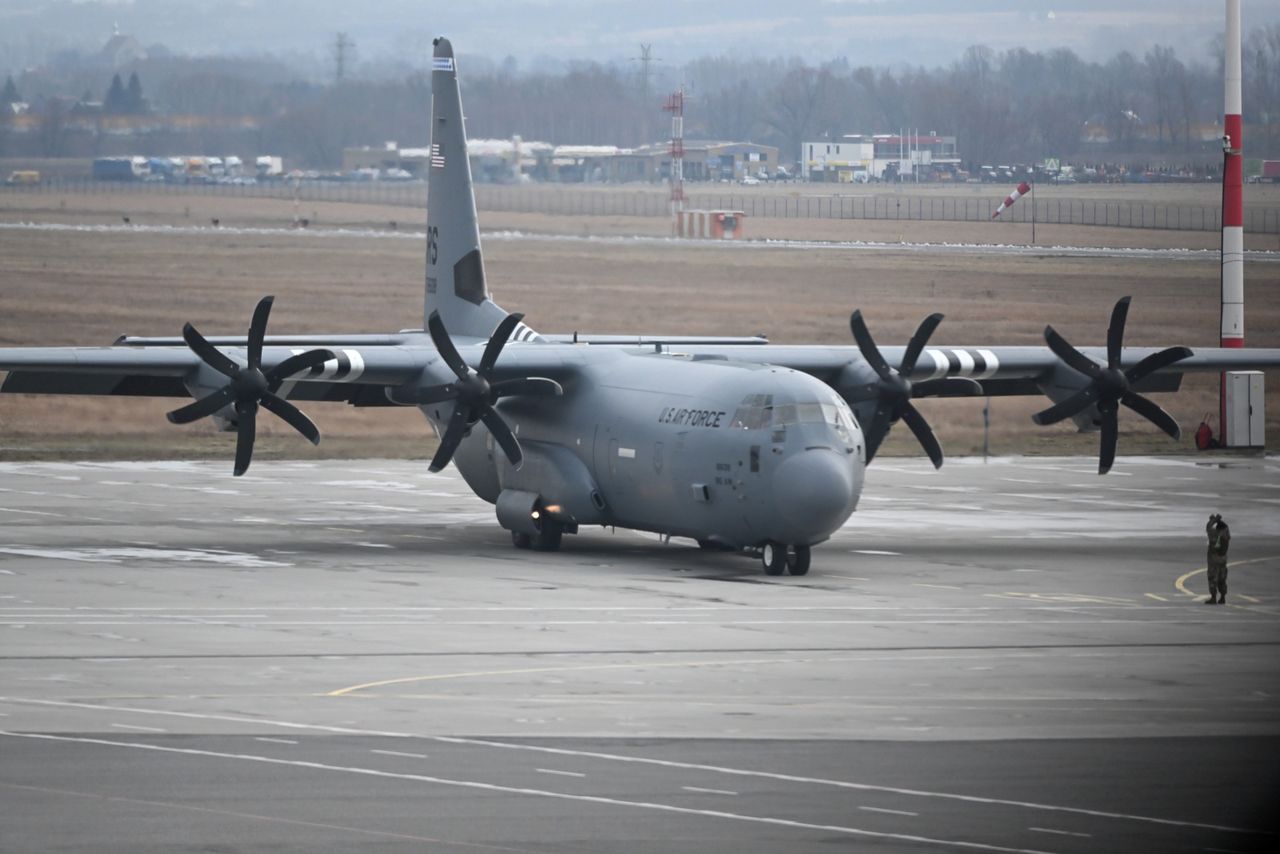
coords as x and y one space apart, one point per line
778 558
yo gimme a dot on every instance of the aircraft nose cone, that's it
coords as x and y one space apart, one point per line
814 495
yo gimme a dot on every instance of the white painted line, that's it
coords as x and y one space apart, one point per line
612 757
874 552
559 773
1061 832
890 812
541 793
1156 597
275 740
708 791
400 753
139 728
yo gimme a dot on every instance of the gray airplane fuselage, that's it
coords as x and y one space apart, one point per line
724 452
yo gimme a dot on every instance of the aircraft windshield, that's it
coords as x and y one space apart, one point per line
758 411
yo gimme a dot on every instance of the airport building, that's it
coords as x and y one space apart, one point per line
857 158
494 161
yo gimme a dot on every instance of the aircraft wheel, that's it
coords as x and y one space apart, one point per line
521 540
798 560
774 558
548 538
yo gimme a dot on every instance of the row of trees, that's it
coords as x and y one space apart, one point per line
1014 106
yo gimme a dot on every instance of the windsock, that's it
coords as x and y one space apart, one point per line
1012 197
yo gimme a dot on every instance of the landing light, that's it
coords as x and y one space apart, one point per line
535 514
553 508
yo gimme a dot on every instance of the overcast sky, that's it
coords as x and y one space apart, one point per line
875 32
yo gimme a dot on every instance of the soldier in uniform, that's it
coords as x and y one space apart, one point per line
1219 541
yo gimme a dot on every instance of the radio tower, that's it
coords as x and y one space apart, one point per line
675 106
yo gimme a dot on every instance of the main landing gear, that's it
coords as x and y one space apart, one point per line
778 558
547 539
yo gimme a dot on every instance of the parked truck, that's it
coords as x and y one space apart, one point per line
120 168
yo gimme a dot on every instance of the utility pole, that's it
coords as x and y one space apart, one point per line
646 59
343 52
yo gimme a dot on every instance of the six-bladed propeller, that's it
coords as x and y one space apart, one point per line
475 392
250 386
893 391
1109 386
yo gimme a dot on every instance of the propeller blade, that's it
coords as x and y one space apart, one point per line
497 341
202 407
947 387
246 429
452 437
923 433
1068 407
502 435
878 430
444 346
293 416
258 329
1071 355
1156 361
527 387
296 365
868 348
1115 332
209 354
1110 431
1152 411
916 345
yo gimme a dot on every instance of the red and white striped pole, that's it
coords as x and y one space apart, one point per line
1232 332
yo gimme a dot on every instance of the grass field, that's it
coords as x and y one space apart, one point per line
88 287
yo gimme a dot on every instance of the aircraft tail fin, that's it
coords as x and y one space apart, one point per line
455 267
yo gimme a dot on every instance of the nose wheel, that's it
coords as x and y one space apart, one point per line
778 559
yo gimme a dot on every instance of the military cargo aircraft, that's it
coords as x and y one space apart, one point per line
732 442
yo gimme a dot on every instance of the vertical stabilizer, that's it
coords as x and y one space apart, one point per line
455 268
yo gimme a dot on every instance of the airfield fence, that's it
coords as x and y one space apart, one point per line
571 200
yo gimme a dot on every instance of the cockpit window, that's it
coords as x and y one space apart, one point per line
754 413
757 412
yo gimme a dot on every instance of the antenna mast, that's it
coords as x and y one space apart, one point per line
675 106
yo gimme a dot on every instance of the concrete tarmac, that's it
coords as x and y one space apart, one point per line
327 656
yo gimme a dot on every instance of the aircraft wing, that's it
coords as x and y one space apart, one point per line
1000 371
358 376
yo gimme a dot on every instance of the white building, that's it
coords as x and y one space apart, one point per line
860 157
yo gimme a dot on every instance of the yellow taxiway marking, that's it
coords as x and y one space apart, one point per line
634 665
1181 583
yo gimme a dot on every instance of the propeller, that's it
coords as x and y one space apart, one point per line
1108 387
250 386
475 392
894 391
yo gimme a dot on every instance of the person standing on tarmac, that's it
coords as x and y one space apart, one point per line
1219 541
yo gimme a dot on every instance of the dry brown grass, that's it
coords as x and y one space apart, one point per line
87 288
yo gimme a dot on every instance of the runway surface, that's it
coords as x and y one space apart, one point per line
898 247
349 654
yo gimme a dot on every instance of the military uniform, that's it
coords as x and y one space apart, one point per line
1219 541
